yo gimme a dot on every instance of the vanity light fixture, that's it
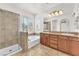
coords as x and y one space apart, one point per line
56 13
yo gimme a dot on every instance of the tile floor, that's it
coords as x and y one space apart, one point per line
41 50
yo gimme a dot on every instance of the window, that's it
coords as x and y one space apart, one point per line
26 24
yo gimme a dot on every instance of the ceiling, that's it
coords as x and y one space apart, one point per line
34 8
43 8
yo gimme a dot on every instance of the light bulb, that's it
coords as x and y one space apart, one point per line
52 14
56 13
60 12
49 15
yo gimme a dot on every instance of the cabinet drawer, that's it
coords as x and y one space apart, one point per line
63 37
53 41
53 45
74 38
53 38
46 35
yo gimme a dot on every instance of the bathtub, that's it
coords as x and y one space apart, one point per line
33 40
10 50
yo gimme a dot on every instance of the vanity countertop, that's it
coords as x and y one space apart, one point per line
64 34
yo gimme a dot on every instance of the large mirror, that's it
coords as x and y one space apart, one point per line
47 26
65 25
76 24
54 25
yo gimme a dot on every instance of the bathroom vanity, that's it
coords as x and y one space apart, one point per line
65 42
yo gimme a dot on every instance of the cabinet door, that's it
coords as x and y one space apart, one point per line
46 39
53 41
63 44
74 46
42 39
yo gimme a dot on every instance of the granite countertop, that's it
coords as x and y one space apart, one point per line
64 34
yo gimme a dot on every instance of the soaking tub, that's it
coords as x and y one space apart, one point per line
33 40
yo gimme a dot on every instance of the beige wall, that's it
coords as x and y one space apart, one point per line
8 28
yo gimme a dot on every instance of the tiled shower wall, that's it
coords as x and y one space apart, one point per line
8 28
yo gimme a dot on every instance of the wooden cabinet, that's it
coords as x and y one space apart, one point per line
53 40
68 44
44 39
63 44
74 46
